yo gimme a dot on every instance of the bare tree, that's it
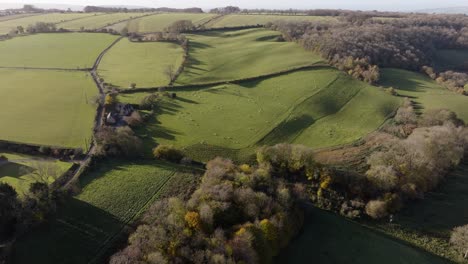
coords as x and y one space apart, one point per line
459 239
170 73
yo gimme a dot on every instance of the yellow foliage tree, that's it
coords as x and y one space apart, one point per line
193 220
245 168
325 181
269 230
109 100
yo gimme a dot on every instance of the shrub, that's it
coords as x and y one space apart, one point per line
44 150
134 119
406 115
459 240
118 142
168 152
438 117
377 209
149 101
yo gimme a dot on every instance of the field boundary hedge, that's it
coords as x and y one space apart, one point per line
236 81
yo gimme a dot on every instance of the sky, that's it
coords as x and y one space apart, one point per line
391 5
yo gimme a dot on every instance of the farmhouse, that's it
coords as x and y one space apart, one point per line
121 110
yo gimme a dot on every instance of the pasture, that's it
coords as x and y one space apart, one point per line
426 93
254 20
328 238
13 17
52 108
67 50
99 21
112 197
316 107
158 22
451 60
230 55
23 170
7 25
427 223
142 63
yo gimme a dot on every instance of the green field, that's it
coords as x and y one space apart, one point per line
142 63
7 26
451 60
67 50
253 20
328 238
47 107
314 107
112 197
159 22
426 93
13 17
21 171
229 55
429 222
99 21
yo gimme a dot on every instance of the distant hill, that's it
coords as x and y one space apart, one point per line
447 10
124 6
43 6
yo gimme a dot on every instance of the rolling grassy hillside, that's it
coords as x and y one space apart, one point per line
426 93
12 17
6 26
229 55
19 172
252 20
47 107
112 197
68 50
314 107
328 238
140 63
159 22
99 21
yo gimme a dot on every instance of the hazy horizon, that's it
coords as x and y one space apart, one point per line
396 5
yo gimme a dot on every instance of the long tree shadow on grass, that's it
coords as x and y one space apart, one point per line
15 170
441 210
76 236
287 130
404 80
328 238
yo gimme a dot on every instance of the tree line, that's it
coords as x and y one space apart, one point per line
103 9
360 45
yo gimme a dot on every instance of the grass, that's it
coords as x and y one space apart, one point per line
451 59
7 26
328 238
112 197
47 107
253 20
229 55
142 63
19 172
300 107
428 223
13 17
159 22
99 21
426 93
67 50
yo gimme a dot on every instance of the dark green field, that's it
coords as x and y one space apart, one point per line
112 198
328 238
